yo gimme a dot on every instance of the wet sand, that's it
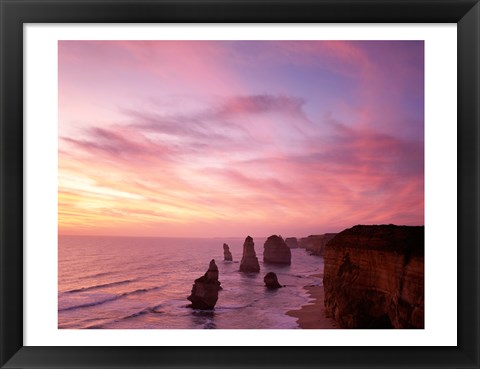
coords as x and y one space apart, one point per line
312 315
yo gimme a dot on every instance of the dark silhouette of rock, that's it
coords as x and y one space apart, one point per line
204 294
291 242
374 277
227 255
276 251
249 263
271 281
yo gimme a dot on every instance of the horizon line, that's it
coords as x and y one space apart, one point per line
220 237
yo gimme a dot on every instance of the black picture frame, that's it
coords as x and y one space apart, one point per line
15 13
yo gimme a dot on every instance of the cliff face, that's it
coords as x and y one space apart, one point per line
291 242
315 244
305 242
374 277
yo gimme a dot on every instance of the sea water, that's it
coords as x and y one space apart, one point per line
143 283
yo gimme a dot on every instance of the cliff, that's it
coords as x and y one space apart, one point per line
374 277
291 242
315 244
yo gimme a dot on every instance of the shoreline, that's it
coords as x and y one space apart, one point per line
312 315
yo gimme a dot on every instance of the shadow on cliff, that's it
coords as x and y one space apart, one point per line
374 277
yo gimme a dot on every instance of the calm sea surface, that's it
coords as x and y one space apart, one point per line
140 283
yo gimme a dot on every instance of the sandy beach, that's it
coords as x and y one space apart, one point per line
312 315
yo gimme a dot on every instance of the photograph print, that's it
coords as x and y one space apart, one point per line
241 184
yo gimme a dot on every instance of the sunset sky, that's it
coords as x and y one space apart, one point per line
236 138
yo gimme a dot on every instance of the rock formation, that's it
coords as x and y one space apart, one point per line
307 243
315 244
205 289
291 242
249 263
374 277
227 255
271 281
320 243
276 251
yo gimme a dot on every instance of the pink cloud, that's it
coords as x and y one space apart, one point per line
157 138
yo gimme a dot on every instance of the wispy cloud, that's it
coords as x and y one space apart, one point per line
236 158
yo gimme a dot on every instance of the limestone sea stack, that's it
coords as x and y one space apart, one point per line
204 294
276 251
271 281
227 255
249 263
291 242
374 277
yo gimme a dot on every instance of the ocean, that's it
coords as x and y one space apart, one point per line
143 283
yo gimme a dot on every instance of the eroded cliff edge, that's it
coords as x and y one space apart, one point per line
374 277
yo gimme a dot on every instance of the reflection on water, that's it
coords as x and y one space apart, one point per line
205 319
142 283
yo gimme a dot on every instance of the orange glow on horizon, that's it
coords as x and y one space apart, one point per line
212 139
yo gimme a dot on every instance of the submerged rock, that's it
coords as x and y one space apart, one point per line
291 242
204 294
276 251
271 281
374 277
227 255
249 263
